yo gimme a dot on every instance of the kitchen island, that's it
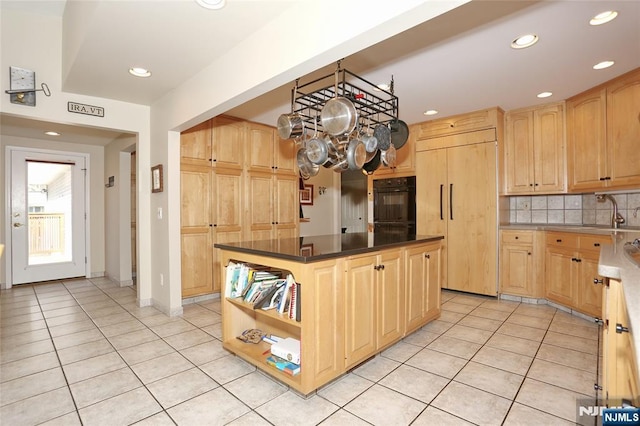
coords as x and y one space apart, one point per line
359 293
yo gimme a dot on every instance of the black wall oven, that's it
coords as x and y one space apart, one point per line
394 205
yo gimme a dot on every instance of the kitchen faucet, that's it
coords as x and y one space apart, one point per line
616 218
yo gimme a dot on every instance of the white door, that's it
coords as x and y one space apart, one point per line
47 216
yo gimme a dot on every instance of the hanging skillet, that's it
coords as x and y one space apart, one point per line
291 126
372 165
399 133
338 115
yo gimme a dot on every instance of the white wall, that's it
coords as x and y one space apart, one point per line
324 214
33 41
118 210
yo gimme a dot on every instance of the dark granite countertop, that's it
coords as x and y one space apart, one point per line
321 247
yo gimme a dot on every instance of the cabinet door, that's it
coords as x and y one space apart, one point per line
196 230
518 151
260 214
405 157
227 200
285 151
586 136
589 294
548 149
360 309
516 270
227 141
195 145
472 227
285 203
416 287
627 379
260 148
623 132
560 265
390 297
432 200
433 256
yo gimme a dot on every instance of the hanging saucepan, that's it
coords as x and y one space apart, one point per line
356 154
370 141
306 167
399 133
338 115
373 164
317 150
383 135
388 156
291 126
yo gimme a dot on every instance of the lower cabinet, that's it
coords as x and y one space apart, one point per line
621 381
517 264
571 266
422 271
374 304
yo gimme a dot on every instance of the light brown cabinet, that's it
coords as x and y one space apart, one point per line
519 263
602 136
405 158
222 200
422 271
266 152
374 304
457 197
621 380
534 150
352 307
571 267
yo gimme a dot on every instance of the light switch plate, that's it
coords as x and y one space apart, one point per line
22 79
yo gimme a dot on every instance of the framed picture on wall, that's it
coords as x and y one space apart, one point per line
306 195
156 178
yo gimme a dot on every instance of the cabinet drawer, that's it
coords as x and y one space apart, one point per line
516 237
593 242
562 239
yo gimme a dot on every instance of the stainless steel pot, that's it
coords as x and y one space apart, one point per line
356 154
291 126
307 168
338 116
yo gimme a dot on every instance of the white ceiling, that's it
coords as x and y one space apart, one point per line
455 63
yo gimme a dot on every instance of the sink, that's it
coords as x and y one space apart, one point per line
632 251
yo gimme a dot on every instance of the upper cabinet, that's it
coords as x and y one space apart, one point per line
603 136
266 152
217 143
534 150
405 157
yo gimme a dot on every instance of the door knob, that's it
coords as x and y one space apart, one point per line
17 225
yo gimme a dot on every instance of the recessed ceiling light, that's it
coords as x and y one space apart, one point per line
604 17
211 4
603 65
51 133
524 41
430 112
544 94
139 72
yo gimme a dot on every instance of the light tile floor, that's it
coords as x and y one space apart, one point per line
82 352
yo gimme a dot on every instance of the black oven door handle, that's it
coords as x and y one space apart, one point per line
451 200
441 188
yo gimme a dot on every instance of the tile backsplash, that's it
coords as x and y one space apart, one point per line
580 209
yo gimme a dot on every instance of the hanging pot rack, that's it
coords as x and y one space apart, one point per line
373 105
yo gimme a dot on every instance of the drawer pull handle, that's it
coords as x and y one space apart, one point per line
597 281
620 329
599 321
517 237
596 244
558 241
428 256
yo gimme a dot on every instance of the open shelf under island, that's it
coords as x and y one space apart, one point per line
359 293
